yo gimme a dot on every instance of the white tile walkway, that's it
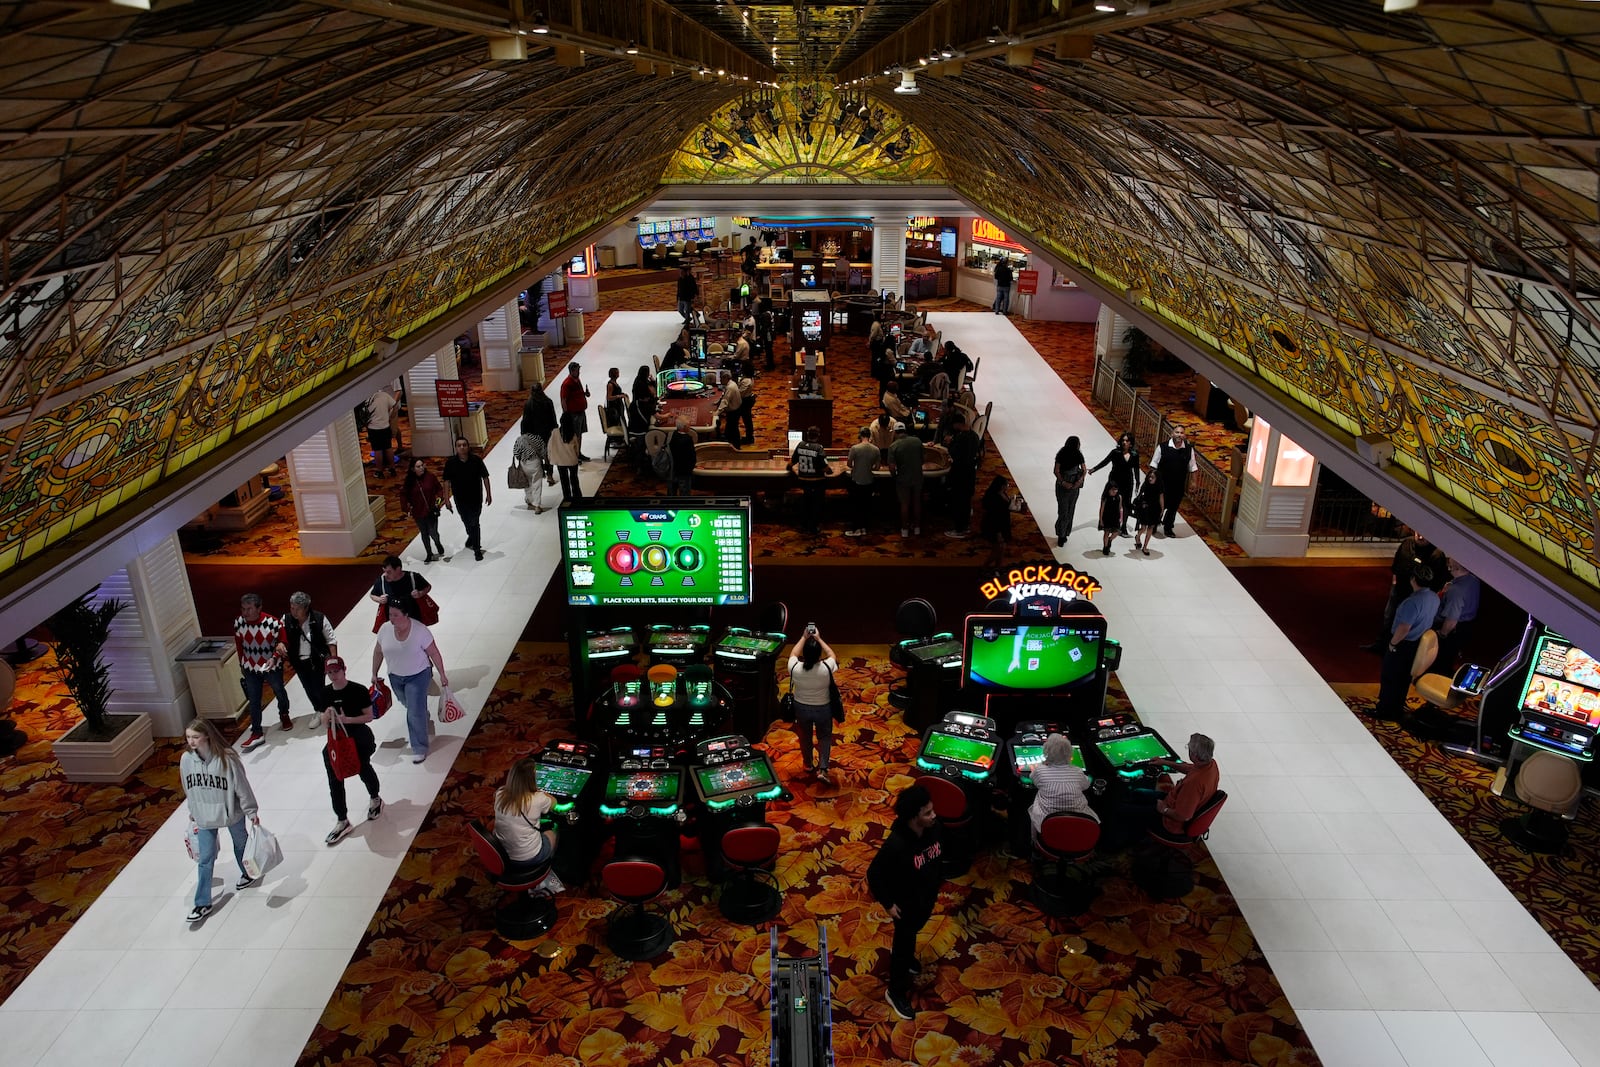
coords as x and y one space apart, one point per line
1395 945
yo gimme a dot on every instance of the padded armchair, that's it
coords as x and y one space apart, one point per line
632 932
751 894
522 916
1166 870
1550 785
1062 845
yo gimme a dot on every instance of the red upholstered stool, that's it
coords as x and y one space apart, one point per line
633 933
1166 870
955 819
1062 845
521 917
751 894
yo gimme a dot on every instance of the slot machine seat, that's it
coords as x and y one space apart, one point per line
774 618
521 916
1166 870
955 816
1551 785
751 894
1440 696
1062 846
914 618
633 933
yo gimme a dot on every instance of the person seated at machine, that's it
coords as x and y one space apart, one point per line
519 805
677 352
1061 785
1170 806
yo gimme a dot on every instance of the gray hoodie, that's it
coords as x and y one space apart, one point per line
219 794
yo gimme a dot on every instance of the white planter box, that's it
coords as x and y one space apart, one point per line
107 761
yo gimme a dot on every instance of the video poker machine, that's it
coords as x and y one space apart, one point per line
734 782
933 676
963 747
643 806
566 768
745 663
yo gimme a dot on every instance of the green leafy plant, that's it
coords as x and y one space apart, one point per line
81 629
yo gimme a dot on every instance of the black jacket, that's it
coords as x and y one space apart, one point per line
908 870
313 632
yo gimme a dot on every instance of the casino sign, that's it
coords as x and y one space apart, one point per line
1038 580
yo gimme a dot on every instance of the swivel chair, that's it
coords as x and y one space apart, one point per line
521 917
751 894
956 821
633 933
1166 871
914 619
1062 845
1551 785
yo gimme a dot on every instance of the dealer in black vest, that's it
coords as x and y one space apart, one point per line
1173 463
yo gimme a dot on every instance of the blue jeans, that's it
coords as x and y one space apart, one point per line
254 681
208 859
818 718
412 691
1002 299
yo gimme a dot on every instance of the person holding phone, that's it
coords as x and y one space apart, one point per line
811 668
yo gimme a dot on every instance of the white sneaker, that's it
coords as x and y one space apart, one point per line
904 532
551 885
338 833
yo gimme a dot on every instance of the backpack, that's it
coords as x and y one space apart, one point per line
661 462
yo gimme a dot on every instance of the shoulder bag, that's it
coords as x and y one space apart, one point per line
835 698
342 754
427 607
516 477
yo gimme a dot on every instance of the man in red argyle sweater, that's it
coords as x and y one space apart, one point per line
257 636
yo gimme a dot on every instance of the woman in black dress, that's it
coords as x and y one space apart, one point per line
1124 460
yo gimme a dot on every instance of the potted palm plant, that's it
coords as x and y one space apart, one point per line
103 747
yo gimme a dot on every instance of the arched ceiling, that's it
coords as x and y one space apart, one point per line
209 210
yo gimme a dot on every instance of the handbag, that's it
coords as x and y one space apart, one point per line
835 698
516 477
191 840
262 852
381 696
786 707
343 756
427 607
450 709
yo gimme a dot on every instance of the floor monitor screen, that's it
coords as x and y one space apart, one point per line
1125 750
561 781
642 787
1028 757
1004 655
1563 682
967 750
734 777
635 552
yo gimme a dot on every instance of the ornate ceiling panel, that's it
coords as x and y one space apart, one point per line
209 209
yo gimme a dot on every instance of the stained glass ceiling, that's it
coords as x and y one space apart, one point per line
209 211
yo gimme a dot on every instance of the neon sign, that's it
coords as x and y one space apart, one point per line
1042 579
990 234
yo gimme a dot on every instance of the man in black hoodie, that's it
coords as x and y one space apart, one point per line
905 877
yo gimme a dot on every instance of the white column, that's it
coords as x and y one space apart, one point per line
501 337
1108 330
431 433
1276 494
889 255
330 492
158 625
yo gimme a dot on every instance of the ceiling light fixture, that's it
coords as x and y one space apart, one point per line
995 33
948 51
908 84
539 24
633 48
1106 6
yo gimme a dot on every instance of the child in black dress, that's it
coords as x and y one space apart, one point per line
1147 510
1110 516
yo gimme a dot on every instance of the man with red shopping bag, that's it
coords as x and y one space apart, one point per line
350 746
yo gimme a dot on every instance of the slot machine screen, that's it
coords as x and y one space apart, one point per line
1028 757
968 750
625 788
735 777
1125 750
808 275
811 324
561 781
1003 655
1563 682
644 552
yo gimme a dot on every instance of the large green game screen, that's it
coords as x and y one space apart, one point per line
642 552
1032 657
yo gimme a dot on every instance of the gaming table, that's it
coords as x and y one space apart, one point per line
726 469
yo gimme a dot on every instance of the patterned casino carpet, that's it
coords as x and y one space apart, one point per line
1161 984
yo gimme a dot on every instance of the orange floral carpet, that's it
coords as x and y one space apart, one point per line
1181 982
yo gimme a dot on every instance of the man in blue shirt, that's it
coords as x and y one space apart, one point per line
1458 609
1413 617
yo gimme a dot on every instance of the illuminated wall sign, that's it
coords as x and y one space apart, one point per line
922 222
1042 579
986 232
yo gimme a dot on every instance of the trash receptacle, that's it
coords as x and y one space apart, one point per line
574 327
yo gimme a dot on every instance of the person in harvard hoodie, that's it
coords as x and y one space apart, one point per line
905 877
219 796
